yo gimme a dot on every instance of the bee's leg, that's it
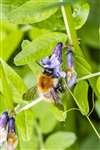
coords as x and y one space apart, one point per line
54 96
59 87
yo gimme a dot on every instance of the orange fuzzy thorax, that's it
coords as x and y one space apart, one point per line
45 82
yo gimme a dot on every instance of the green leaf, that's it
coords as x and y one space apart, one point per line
80 13
46 119
31 144
59 114
81 97
51 24
10 38
36 32
27 11
40 47
24 123
98 84
60 140
90 31
16 84
82 67
8 101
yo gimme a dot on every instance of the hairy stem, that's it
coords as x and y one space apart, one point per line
34 102
89 76
69 26
98 135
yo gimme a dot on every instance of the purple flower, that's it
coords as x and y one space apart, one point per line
57 52
11 137
69 57
71 78
3 124
54 61
71 74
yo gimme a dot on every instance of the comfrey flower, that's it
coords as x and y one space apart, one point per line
54 62
71 74
11 137
3 124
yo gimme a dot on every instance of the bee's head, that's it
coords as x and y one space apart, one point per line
48 71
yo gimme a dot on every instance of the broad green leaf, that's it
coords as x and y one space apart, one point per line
36 32
83 68
98 84
31 144
60 115
80 13
40 47
97 107
16 84
25 123
90 31
27 11
2 105
81 65
10 38
46 119
51 24
7 93
81 97
60 140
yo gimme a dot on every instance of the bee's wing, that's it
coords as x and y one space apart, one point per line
57 100
30 94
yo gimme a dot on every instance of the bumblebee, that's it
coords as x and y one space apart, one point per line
49 82
47 86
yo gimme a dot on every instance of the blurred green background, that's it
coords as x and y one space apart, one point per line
37 125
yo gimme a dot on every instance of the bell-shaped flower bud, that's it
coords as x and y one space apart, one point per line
11 137
3 124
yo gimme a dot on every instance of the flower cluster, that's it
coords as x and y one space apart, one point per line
71 74
7 131
53 63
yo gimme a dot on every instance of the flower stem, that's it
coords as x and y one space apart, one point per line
98 135
34 102
89 76
69 26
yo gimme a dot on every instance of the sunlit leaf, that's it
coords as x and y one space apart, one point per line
59 114
81 97
80 13
40 47
60 140
90 31
24 122
82 66
7 93
16 84
46 118
27 11
10 38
